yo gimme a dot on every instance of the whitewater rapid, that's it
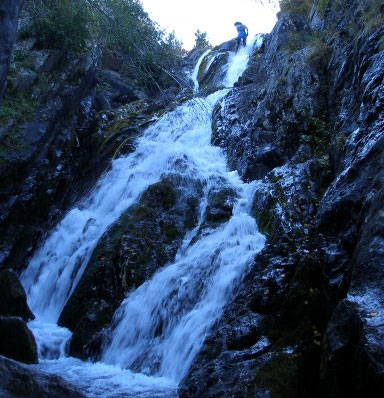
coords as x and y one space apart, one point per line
185 297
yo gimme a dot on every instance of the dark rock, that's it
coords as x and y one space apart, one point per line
116 82
312 129
146 237
24 80
249 123
52 61
40 163
21 381
212 71
102 103
16 340
220 205
229 45
13 299
193 56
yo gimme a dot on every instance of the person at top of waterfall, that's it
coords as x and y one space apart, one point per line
242 34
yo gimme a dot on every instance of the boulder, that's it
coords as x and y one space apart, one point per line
220 205
17 341
212 71
193 56
24 80
126 91
21 381
13 299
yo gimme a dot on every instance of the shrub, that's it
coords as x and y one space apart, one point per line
320 52
321 6
62 24
301 7
373 16
121 26
19 107
296 41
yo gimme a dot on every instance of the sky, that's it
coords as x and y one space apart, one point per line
216 17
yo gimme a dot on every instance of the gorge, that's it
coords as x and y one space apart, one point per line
219 239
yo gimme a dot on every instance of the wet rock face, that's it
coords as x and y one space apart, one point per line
146 237
16 340
220 205
193 56
21 381
212 71
260 125
352 339
13 299
213 67
307 321
41 158
9 19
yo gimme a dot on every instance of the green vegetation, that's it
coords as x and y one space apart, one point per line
117 26
370 18
279 375
276 178
15 110
341 140
316 42
320 51
321 6
62 24
317 136
296 41
373 17
300 7
171 231
19 107
265 222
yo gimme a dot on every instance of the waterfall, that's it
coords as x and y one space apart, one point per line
185 298
160 327
195 72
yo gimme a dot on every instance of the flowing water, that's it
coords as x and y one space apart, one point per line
183 299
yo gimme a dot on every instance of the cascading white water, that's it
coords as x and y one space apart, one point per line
195 72
161 326
184 299
238 61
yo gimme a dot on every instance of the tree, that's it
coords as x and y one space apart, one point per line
120 26
201 39
9 14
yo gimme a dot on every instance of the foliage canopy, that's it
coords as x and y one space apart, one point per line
120 26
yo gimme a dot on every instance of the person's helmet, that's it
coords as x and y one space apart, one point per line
237 23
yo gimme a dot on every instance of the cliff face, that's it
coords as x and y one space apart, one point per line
307 118
62 119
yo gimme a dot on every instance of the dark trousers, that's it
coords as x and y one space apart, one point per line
241 39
